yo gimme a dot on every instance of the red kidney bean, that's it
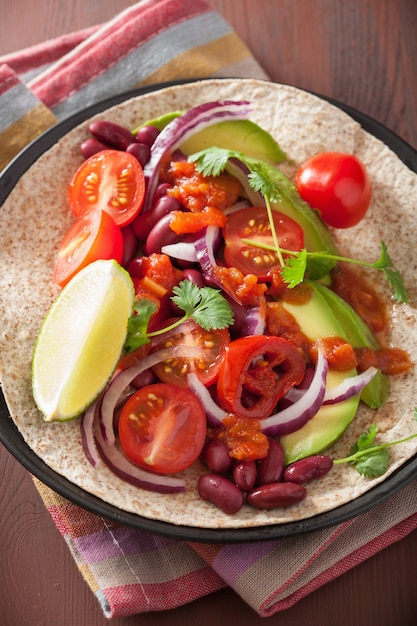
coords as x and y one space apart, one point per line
221 492
244 475
215 456
142 380
145 222
140 151
194 276
147 134
111 133
276 495
161 191
130 244
271 468
307 469
160 235
91 146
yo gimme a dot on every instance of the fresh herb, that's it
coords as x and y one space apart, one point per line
206 306
370 459
296 266
274 186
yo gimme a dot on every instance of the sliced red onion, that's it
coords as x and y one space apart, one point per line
239 170
122 380
241 204
182 250
296 415
87 435
132 474
184 126
214 413
351 386
254 321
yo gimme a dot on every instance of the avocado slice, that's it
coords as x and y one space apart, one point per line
317 320
161 121
240 135
359 335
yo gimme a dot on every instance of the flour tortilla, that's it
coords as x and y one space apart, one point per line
35 217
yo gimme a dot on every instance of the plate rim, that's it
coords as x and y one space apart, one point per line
14 442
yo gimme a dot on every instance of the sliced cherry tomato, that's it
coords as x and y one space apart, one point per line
162 428
94 236
253 223
338 186
256 371
206 367
112 181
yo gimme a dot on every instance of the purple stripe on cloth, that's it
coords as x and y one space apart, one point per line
232 561
123 540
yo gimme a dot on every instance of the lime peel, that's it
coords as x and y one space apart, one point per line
81 340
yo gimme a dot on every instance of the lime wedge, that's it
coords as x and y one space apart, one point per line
81 340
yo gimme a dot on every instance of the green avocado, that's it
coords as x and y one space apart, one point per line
359 335
240 135
317 320
160 122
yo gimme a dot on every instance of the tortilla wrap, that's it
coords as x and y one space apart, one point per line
35 217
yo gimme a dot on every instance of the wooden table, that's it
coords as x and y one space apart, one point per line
360 52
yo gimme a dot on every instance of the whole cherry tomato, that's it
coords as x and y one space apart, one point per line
337 185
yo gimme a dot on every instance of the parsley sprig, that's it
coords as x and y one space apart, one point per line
274 186
370 459
205 305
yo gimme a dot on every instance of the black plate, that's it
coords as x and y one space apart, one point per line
16 445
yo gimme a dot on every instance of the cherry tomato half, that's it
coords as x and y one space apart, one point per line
256 371
253 223
206 368
338 185
162 428
93 236
112 181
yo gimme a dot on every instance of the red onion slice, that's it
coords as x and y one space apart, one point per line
296 415
214 413
87 436
184 126
122 380
132 474
350 387
182 250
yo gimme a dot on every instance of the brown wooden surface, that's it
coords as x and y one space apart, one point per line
361 52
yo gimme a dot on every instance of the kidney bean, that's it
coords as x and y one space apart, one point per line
276 495
142 380
144 222
147 134
221 492
111 133
307 469
91 146
161 191
194 276
215 456
140 151
160 235
130 244
271 468
244 475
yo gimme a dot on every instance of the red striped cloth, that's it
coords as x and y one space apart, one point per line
130 571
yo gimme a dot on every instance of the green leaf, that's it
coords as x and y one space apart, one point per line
137 324
294 271
206 306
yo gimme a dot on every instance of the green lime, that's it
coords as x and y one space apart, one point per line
81 340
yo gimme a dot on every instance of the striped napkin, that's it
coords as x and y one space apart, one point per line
131 571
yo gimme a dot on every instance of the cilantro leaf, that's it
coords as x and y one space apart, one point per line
205 305
137 324
370 459
295 268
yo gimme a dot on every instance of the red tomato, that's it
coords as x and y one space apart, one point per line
256 371
189 333
110 180
337 185
94 236
162 428
253 223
